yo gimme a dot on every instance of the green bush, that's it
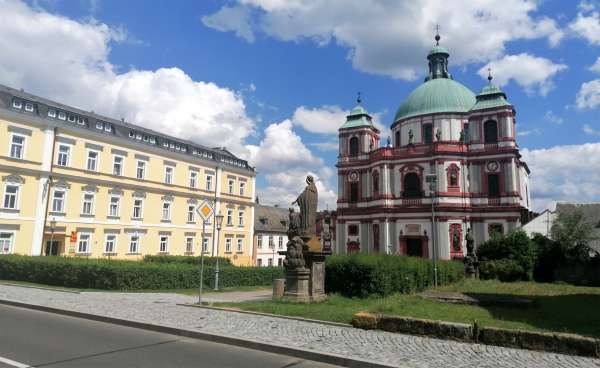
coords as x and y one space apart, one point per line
208 261
506 270
126 275
515 246
363 275
550 257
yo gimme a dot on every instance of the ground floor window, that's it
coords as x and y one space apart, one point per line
205 245
111 240
134 244
6 242
259 262
84 243
270 262
164 244
189 245
280 262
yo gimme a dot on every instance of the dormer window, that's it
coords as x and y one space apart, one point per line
62 115
131 134
17 104
152 140
138 136
29 107
71 118
145 139
81 120
52 113
107 127
99 125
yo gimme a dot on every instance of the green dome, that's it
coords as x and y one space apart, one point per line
436 95
437 49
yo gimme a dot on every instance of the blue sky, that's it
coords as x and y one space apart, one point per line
272 79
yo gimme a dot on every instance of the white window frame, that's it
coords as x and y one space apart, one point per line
52 113
87 160
259 241
83 202
169 178
66 156
22 146
209 183
269 262
29 107
259 262
191 211
63 201
62 115
121 167
16 195
280 242
114 250
166 243
228 245
230 185
133 217
137 243
271 242
168 210
240 245
110 206
229 217
137 169
240 218
89 243
205 243
17 104
193 179
11 242
242 188
189 244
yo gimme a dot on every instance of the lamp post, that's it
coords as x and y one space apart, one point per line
52 227
201 261
218 221
432 180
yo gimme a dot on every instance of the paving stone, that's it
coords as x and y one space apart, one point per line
384 347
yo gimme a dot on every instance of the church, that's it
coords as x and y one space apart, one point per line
451 166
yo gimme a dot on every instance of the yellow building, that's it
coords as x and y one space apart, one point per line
77 183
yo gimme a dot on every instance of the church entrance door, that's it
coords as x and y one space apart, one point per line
414 247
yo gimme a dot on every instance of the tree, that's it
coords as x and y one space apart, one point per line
573 235
515 247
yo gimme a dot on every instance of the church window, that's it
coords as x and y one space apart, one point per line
495 229
427 133
493 185
398 138
412 186
490 131
353 192
353 146
453 176
466 132
375 183
353 230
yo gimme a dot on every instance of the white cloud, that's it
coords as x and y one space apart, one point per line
529 71
234 19
553 118
326 146
525 133
285 161
596 67
588 96
564 173
392 37
587 129
323 120
587 25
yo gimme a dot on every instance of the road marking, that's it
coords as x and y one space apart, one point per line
13 363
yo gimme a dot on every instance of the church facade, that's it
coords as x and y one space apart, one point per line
451 165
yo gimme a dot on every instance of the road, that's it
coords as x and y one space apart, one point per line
31 338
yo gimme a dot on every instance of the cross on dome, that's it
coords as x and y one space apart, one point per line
437 35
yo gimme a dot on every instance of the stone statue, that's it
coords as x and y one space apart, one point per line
307 201
294 224
294 257
462 136
456 241
438 135
411 136
471 262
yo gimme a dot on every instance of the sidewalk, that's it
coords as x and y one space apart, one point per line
236 296
358 345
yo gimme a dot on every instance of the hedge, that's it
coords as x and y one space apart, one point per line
126 275
208 261
506 270
361 275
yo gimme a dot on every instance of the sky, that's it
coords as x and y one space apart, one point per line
272 80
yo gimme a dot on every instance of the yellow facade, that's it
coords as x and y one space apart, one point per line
107 191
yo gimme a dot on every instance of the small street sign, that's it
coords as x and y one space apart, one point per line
205 210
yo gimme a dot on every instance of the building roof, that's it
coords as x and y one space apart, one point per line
435 96
358 117
591 215
490 96
271 219
44 108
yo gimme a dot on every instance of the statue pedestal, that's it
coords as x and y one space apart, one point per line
315 261
297 284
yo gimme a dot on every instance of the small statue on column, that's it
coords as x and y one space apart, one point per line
471 262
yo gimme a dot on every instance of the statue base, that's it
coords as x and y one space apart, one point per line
313 243
315 261
297 285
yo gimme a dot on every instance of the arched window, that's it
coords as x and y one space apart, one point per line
493 185
453 176
397 138
353 192
375 183
490 131
353 146
412 186
427 133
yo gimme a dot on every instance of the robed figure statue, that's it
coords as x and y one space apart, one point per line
307 201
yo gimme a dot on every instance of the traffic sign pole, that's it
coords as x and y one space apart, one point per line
205 210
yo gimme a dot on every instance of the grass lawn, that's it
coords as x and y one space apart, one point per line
192 292
562 308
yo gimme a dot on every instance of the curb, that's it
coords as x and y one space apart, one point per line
335 324
39 288
328 358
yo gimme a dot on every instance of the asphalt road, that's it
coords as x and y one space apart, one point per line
31 338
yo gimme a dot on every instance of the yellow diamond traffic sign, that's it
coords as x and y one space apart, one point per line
205 210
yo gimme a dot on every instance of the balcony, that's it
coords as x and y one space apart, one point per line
411 201
494 202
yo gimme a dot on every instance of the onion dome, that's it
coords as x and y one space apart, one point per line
490 96
440 93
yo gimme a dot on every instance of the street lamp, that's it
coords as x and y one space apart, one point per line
432 180
52 227
218 221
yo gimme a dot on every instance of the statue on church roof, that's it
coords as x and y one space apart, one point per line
411 136
438 135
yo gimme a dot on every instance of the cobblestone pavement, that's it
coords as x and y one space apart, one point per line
383 347
237 296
